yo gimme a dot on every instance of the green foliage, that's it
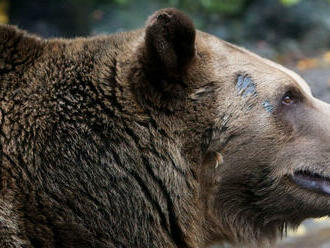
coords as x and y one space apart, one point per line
4 11
121 2
290 2
223 6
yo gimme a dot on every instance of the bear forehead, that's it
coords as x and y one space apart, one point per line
239 59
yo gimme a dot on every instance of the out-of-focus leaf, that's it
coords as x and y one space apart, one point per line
308 63
3 11
121 2
289 2
326 57
223 6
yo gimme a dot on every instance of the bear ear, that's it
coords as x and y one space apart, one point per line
169 43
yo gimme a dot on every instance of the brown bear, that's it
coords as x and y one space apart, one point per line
160 137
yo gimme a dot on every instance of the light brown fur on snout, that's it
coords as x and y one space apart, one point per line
161 137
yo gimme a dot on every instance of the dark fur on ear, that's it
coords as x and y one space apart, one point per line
170 43
17 48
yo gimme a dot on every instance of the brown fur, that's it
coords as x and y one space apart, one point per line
145 139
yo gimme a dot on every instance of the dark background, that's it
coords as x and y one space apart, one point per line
272 27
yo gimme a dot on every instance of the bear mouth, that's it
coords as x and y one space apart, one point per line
312 181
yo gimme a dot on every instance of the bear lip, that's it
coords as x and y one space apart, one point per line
312 181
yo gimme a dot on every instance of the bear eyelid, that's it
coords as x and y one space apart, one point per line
292 96
288 98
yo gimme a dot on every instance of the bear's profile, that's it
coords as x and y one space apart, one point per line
160 137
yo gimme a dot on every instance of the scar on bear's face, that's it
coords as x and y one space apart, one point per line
268 106
245 86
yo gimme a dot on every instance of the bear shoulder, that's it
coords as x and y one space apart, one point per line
17 48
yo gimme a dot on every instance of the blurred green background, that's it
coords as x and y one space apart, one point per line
295 28
295 33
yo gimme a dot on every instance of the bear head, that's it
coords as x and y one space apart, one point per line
255 137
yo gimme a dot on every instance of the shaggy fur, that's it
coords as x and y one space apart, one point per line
152 138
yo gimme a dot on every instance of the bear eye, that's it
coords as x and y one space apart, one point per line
288 98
